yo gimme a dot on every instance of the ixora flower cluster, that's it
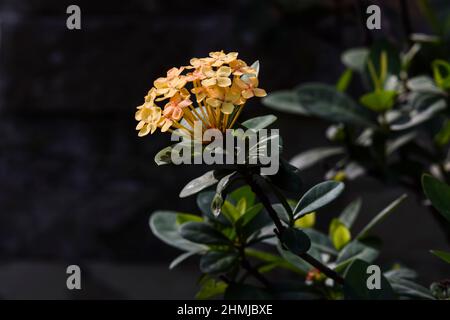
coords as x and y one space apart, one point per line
220 83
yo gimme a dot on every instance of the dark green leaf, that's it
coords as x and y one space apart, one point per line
285 101
326 102
295 240
218 261
164 226
249 215
317 197
439 194
356 288
200 232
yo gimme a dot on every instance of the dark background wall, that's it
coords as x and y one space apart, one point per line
76 183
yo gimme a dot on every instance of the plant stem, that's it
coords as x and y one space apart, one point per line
280 229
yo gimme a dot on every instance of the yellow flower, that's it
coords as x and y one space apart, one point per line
219 77
149 119
198 63
240 68
174 108
250 89
220 58
219 90
225 99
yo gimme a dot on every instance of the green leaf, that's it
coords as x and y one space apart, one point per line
307 221
439 194
259 122
214 262
200 232
165 227
186 217
249 215
380 217
326 102
355 59
379 101
309 158
441 73
211 288
244 192
442 138
182 257
230 211
317 197
272 260
355 250
198 184
241 206
445 256
164 156
350 213
284 101
295 240
344 80
356 284
339 234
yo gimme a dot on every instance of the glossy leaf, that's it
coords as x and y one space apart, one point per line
182 257
318 196
206 180
200 232
164 226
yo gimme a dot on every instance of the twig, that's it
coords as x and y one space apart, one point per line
280 229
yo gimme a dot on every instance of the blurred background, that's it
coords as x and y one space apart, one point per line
77 186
